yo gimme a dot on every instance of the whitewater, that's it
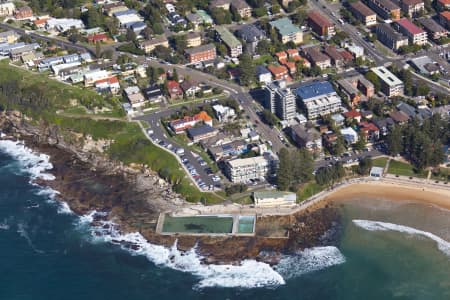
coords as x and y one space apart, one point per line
248 274
442 244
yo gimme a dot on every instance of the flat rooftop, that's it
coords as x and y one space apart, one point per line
386 76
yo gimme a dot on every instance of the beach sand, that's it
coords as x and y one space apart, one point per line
392 191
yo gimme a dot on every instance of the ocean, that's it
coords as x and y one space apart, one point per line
387 250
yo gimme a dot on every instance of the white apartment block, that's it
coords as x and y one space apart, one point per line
242 170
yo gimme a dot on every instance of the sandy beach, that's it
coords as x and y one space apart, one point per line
392 190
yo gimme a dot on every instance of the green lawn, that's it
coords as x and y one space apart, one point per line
308 190
380 162
404 169
442 175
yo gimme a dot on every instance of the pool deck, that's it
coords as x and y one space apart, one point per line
234 231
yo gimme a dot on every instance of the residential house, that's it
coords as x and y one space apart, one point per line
224 4
224 113
349 135
111 8
308 138
9 37
251 35
384 125
134 96
242 8
363 13
201 132
193 39
17 53
317 58
98 38
435 30
353 115
22 13
153 94
263 74
62 25
279 72
319 99
444 19
389 37
281 56
149 45
336 58
287 31
370 131
399 117
201 53
110 84
443 5
415 34
386 9
233 44
174 89
412 7
189 87
7 9
40 22
390 84
338 119
320 24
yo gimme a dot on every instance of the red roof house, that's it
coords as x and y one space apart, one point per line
174 89
97 38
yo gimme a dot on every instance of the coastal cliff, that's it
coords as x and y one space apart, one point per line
134 196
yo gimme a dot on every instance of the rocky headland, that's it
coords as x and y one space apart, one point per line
134 196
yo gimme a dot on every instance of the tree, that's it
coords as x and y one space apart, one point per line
269 118
98 50
108 53
361 143
264 47
179 42
285 170
235 14
175 75
221 16
394 141
372 77
247 68
365 165
131 35
93 18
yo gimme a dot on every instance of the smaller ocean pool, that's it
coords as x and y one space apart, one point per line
246 224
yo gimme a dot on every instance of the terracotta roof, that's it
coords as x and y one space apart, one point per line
352 114
399 116
319 19
362 9
203 115
446 14
346 55
409 26
368 126
276 70
40 21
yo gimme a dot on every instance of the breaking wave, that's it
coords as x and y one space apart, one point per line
442 244
309 260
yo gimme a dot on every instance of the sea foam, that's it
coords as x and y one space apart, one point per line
442 244
35 164
309 260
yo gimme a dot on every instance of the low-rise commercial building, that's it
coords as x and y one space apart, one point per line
390 84
274 198
319 99
415 34
363 13
390 38
201 53
320 24
287 31
233 44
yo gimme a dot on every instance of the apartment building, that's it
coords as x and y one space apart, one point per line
363 13
24 12
317 58
412 7
280 100
193 39
386 9
308 138
435 30
242 8
149 45
415 34
390 84
7 9
319 99
244 169
251 35
389 37
201 53
287 31
233 44
320 24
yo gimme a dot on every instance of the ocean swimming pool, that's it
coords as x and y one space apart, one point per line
198 224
